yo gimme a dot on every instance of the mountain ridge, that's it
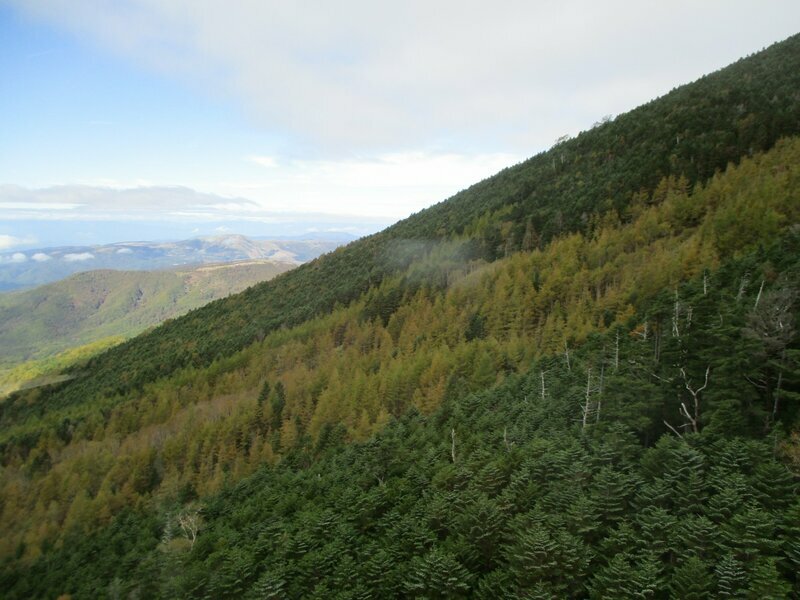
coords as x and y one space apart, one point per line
90 306
20 270
703 112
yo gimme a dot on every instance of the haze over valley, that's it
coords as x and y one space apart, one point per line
27 268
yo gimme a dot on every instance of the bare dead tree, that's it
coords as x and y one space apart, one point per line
694 417
586 404
453 444
657 343
758 297
566 355
544 391
675 431
594 389
189 521
676 317
662 379
777 394
599 394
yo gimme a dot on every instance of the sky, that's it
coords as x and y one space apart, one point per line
157 119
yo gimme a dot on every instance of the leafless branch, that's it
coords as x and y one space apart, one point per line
675 431
695 397
189 522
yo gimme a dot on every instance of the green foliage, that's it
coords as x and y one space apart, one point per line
436 575
534 506
45 371
691 580
44 328
693 131
604 414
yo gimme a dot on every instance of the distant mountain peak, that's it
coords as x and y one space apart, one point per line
40 266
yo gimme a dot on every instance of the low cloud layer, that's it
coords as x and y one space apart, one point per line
78 256
387 187
65 201
356 75
346 115
11 241
94 203
390 185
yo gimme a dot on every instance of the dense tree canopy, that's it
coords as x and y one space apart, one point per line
579 378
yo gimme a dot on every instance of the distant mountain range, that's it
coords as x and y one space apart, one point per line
26 269
89 311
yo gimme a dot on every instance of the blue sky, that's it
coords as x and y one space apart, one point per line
121 117
74 112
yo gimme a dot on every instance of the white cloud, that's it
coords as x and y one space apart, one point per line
36 205
391 185
265 161
41 257
124 251
9 241
18 257
78 256
403 104
65 202
353 75
410 169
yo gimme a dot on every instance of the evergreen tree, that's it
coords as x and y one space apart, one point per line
691 580
731 578
436 575
626 577
766 582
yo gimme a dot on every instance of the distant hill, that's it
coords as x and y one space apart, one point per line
86 308
25 269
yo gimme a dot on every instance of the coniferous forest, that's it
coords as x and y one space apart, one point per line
579 378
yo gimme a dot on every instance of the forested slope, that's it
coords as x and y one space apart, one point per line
692 131
46 329
577 378
97 304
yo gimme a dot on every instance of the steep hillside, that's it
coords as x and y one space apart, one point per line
692 132
587 404
578 378
92 306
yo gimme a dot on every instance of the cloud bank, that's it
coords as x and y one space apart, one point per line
11 241
78 256
355 75
387 187
69 202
